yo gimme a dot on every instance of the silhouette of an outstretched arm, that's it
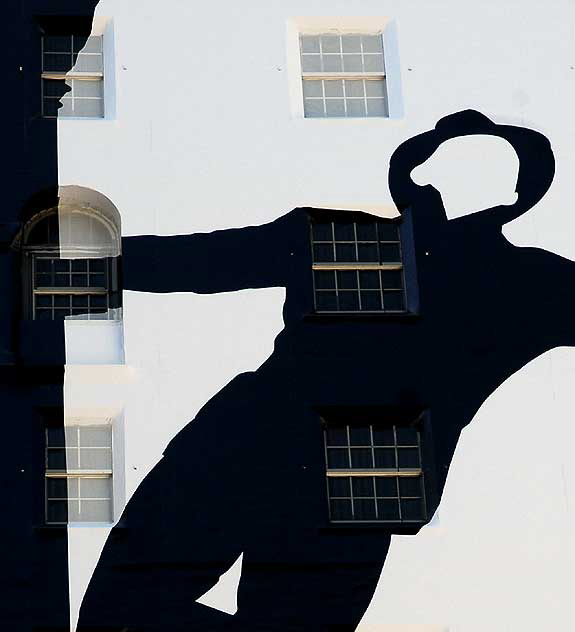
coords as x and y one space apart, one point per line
206 263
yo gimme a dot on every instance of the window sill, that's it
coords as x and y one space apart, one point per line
355 119
378 317
60 528
390 528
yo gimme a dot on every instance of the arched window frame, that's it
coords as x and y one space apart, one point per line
70 280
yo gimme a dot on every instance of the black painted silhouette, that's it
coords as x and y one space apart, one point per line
248 475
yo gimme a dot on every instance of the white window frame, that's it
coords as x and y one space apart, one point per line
343 75
333 25
82 474
79 76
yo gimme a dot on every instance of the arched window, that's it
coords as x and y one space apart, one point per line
71 264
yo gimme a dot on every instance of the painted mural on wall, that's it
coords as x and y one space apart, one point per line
375 400
396 331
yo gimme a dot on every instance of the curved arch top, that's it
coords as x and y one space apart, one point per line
89 223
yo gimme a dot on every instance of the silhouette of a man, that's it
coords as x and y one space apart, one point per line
248 475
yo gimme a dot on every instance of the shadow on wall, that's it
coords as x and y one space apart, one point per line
249 474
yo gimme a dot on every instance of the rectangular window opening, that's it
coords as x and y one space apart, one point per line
374 473
78 474
72 76
343 75
357 266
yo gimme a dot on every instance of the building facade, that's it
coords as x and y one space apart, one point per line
156 272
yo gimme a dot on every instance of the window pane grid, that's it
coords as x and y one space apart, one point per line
357 267
372 493
84 99
349 98
72 75
343 75
76 491
62 53
69 287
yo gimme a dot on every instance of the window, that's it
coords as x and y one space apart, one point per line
343 75
75 62
374 473
83 285
357 266
79 474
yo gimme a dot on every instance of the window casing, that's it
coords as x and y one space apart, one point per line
78 63
357 266
343 75
375 473
82 285
78 475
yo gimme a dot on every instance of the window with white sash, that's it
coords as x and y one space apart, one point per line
77 63
343 75
78 475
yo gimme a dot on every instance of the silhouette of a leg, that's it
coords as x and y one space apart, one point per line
310 581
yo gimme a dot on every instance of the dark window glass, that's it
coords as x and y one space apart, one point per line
367 253
385 458
80 280
393 301
389 253
361 458
54 88
412 509
386 487
96 265
362 487
57 511
55 437
98 280
410 486
324 279
348 301
80 265
406 436
57 44
57 62
326 301
322 232
408 457
383 435
323 253
364 509
388 510
388 232
345 253
337 435
44 301
392 279
346 279
337 458
56 459
360 435
339 487
56 488
44 265
369 279
80 301
371 301
367 231
341 510
344 231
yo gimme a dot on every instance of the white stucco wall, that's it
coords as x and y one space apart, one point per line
203 132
